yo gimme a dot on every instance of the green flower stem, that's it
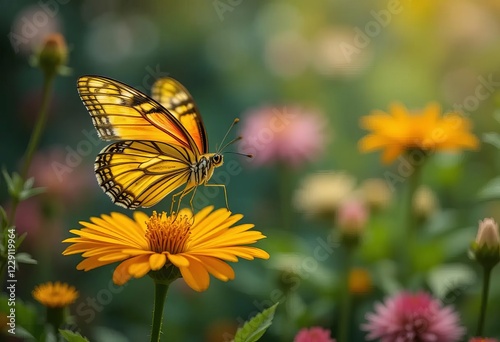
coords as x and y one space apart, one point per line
285 176
345 313
161 290
484 299
56 318
410 231
34 139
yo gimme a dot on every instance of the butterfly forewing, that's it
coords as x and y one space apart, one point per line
176 99
120 112
141 173
162 140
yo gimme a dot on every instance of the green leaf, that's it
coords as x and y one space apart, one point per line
444 278
28 189
3 217
72 336
20 239
20 189
492 138
25 313
8 180
253 329
491 190
25 258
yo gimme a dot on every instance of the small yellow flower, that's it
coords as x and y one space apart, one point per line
424 202
400 131
360 281
55 295
196 245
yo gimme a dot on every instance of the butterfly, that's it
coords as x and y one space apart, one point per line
161 141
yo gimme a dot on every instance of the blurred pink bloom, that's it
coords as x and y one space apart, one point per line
64 181
314 334
352 216
291 135
413 317
31 217
31 25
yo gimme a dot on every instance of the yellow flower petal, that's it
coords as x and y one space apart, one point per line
197 245
401 131
55 295
196 276
157 261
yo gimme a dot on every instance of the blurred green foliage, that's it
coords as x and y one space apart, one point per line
234 56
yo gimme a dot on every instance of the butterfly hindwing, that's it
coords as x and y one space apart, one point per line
176 99
120 112
141 173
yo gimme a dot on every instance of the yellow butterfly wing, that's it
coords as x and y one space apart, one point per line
120 112
178 101
155 151
141 173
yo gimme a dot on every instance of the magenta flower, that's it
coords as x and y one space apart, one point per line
413 317
289 135
62 173
314 334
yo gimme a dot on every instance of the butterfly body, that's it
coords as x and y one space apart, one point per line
203 170
161 141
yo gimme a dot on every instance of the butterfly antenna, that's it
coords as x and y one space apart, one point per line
241 154
225 136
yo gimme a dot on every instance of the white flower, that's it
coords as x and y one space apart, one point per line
322 193
487 234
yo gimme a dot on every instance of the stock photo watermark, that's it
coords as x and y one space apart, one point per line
407 163
363 36
223 6
74 155
323 249
11 280
30 25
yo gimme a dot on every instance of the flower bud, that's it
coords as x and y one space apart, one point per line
376 193
487 234
53 55
486 248
352 217
425 203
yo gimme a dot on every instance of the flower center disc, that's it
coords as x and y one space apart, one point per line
168 233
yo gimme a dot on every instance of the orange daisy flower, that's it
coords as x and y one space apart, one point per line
399 131
55 295
196 245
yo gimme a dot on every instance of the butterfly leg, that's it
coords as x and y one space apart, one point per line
192 198
223 187
181 194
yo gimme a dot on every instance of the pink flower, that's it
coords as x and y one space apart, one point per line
65 181
413 317
314 334
352 216
291 135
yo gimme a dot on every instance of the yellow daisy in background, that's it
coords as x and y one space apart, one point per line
400 130
55 295
197 245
